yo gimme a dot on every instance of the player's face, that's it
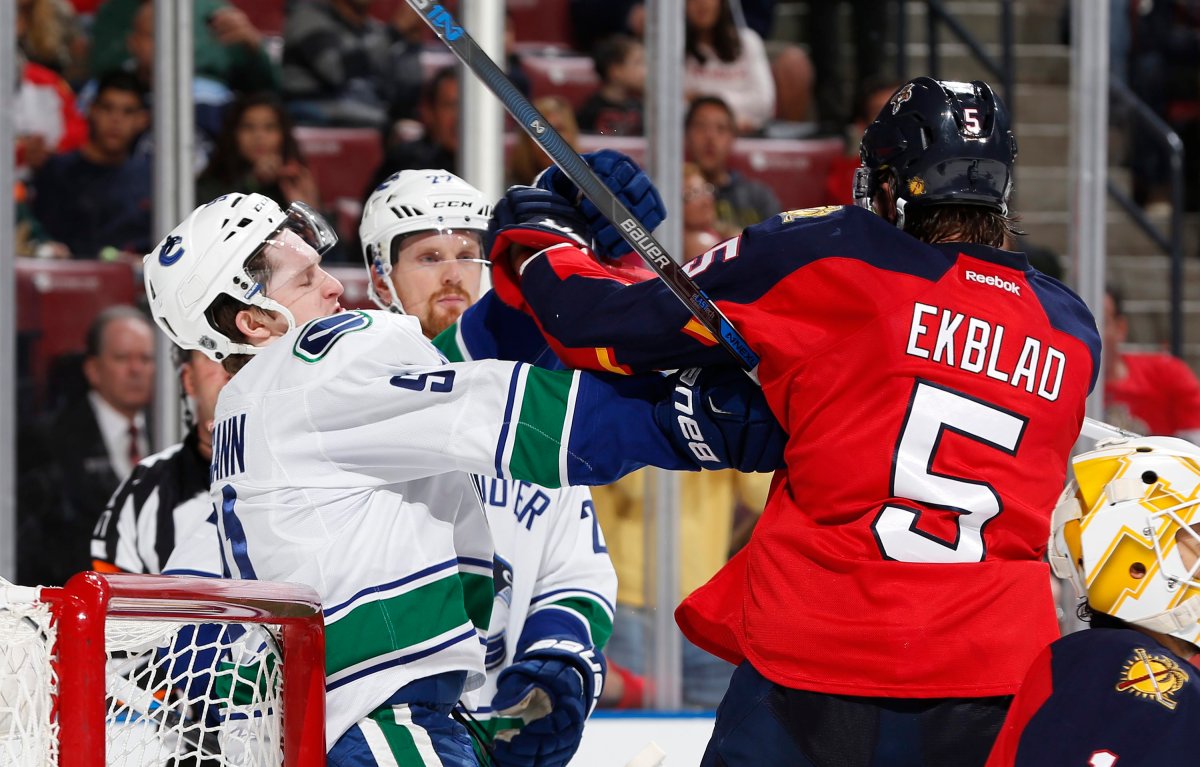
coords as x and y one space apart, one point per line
203 380
297 280
123 372
709 139
437 276
259 135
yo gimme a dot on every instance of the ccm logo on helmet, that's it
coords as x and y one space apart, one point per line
995 282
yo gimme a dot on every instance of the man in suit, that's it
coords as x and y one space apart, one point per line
72 462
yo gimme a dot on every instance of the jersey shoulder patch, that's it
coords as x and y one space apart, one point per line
319 336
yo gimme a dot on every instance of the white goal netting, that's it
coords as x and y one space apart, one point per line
175 693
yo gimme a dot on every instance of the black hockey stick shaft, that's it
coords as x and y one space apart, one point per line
577 170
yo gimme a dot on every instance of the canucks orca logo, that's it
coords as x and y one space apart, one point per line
165 256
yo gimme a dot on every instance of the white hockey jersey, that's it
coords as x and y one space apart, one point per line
338 460
550 556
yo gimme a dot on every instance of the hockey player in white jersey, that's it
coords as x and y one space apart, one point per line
422 237
339 454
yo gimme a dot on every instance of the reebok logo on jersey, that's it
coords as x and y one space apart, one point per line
995 282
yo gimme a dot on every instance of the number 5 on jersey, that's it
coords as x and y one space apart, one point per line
932 412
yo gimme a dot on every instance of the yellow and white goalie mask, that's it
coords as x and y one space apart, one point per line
1126 533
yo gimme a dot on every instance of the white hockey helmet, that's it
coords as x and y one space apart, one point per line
410 202
206 256
1126 533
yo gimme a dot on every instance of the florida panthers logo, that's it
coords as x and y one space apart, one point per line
904 94
1155 677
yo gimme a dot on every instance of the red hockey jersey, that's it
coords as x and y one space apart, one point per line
931 394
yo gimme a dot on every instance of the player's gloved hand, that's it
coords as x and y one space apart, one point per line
719 418
534 219
630 184
552 687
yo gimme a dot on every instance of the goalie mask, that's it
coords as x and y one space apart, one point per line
1126 533
939 142
207 256
422 202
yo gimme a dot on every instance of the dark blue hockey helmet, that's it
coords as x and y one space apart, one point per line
939 142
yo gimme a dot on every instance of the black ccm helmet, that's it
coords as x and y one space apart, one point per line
939 142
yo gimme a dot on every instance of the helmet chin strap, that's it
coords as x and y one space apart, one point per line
900 203
260 301
383 270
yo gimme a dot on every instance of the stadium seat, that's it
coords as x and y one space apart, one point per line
794 168
56 301
267 15
541 22
343 160
572 77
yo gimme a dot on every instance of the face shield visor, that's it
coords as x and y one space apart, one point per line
436 251
287 266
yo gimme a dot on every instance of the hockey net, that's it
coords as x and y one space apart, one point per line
136 670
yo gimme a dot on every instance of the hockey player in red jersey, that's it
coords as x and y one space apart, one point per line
932 384
1126 534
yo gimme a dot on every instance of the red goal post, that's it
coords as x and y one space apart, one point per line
124 670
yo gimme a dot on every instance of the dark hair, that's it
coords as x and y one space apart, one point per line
223 311
120 80
960 223
726 42
612 51
1118 298
433 86
94 340
226 164
700 102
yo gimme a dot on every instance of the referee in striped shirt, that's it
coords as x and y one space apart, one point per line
162 511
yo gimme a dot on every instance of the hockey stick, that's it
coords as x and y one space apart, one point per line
577 170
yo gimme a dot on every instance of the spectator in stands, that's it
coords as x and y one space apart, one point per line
699 213
228 47
527 158
1146 392
163 505
45 117
256 151
1165 57
725 61
209 95
835 94
839 178
615 109
343 67
71 463
437 146
96 200
708 504
708 136
49 34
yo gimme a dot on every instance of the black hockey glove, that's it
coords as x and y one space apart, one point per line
719 418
